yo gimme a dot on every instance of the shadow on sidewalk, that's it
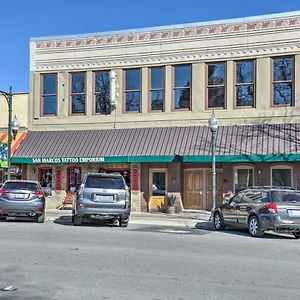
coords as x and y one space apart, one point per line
67 221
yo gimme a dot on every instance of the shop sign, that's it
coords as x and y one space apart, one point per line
135 179
66 160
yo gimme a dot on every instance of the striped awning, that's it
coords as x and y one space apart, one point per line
246 143
14 144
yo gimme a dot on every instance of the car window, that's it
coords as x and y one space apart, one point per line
256 196
105 182
285 196
27 186
236 199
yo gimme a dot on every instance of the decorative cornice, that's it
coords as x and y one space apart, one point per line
162 35
167 58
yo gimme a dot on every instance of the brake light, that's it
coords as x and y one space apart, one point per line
40 194
2 192
272 207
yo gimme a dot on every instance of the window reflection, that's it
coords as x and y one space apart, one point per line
157 88
182 77
283 80
282 177
49 93
102 97
74 178
158 184
132 90
216 85
78 93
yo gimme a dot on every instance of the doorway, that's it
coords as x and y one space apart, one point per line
158 189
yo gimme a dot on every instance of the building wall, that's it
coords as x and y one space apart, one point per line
20 109
198 44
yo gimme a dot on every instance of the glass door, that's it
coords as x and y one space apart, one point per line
158 190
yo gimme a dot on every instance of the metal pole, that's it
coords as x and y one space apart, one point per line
213 169
9 103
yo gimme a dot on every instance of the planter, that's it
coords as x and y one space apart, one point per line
171 210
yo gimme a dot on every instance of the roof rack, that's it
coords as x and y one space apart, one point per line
270 187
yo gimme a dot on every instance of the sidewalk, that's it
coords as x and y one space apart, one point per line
183 219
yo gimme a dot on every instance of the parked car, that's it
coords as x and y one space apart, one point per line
102 197
22 199
261 208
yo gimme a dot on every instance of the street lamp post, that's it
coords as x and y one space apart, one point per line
213 125
13 127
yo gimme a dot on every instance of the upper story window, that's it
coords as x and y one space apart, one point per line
101 92
133 90
244 85
49 94
216 85
157 88
78 93
182 87
283 80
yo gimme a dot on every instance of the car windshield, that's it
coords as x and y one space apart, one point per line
27 186
104 182
285 196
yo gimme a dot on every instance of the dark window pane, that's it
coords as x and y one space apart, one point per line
244 72
49 84
245 95
104 182
102 82
133 79
159 184
102 103
157 100
281 177
49 105
78 82
157 78
133 101
78 104
182 98
283 69
283 93
182 75
216 97
216 73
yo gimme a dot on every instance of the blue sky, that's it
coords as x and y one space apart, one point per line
20 20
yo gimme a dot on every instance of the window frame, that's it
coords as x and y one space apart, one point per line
42 95
245 84
74 94
292 81
181 88
95 93
163 89
281 167
242 167
125 91
218 85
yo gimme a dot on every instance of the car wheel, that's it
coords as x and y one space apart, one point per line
254 227
218 221
77 221
297 234
41 218
123 222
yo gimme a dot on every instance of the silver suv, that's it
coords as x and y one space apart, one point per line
102 197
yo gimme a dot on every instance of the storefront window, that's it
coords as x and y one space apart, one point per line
73 179
282 176
158 184
45 179
243 178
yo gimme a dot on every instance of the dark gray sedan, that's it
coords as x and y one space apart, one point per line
259 209
22 199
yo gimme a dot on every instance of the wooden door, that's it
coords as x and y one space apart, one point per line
158 190
193 189
219 189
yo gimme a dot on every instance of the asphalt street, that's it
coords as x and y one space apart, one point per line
56 260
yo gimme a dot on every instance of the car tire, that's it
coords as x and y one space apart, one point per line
40 218
218 221
123 222
297 234
254 227
77 221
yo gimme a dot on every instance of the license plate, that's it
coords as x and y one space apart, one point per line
104 198
19 196
294 213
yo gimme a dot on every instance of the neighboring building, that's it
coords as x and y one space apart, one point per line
152 127
20 110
